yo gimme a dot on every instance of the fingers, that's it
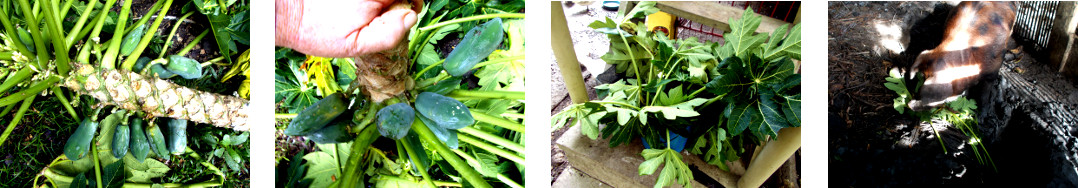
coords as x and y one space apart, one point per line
384 32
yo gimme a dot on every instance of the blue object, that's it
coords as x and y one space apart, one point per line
677 142
611 5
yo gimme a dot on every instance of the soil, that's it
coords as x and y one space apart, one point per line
192 26
871 144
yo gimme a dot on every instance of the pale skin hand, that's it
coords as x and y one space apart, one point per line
340 28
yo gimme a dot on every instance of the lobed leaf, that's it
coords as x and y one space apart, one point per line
773 120
742 37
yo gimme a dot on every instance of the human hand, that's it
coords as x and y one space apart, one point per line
342 28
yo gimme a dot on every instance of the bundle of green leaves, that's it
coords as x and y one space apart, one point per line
718 95
960 113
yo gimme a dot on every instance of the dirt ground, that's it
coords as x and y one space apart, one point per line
871 144
192 26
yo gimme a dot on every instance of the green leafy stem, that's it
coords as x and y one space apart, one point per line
490 62
471 18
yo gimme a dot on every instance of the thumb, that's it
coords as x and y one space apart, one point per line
384 32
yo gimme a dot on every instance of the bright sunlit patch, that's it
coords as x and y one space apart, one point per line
961 40
954 73
947 100
890 37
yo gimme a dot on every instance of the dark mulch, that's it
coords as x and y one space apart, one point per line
872 145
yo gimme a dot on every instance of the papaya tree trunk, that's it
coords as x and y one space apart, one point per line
385 74
156 97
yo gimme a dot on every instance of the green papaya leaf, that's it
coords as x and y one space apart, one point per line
476 45
395 120
142 172
72 167
219 22
674 169
488 164
642 8
769 110
186 67
325 166
728 83
739 119
742 36
395 182
789 83
112 176
792 110
296 170
684 109
782 43
446 112
81 181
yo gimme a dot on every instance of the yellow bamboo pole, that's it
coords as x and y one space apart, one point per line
771 157
562 45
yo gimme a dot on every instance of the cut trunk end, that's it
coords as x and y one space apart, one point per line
385 74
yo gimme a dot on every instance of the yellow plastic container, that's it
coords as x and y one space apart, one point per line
662 21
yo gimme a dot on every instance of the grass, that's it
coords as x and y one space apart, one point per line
38 140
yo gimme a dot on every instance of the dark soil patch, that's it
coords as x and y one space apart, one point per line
871 144
190 28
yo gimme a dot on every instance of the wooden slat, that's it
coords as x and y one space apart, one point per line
572 178
727 179
714 14
615 166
